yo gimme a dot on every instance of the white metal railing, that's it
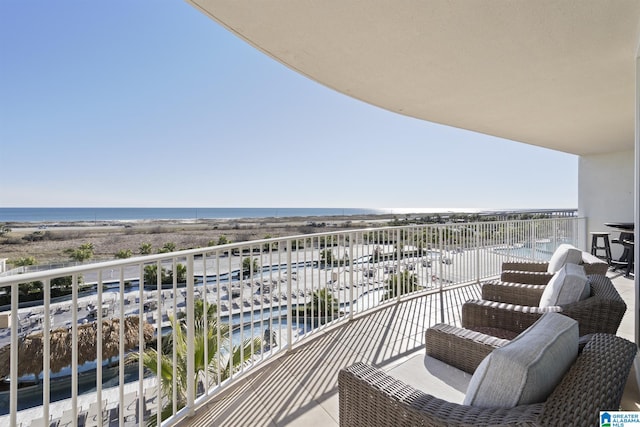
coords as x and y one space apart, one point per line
252 300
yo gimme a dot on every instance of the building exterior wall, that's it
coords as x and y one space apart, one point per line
606 192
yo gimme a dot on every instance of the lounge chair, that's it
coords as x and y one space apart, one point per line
37 422
69 419
506 309
95 416
539 273
130 406
593 382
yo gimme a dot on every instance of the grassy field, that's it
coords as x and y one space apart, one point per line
47 242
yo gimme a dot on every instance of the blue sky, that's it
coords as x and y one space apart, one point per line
152 104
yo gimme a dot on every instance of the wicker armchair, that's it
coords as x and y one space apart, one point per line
535 273
595 382
506 309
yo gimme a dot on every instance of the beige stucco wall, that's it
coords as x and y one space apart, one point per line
606 191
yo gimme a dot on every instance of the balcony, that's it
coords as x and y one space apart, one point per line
295 310
301 389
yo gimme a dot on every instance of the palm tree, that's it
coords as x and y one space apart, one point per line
324 302
124 253
83 253
4 229
326 257
219 363
408 283
145 249
167 247
151 274
23 262
323 306
181 273
249 265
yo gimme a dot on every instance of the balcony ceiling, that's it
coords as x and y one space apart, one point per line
556 74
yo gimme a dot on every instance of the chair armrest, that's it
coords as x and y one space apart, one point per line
595 315
459 347
594 383
525 266
528 277
593 265
602 311
491 314
369 397
512 293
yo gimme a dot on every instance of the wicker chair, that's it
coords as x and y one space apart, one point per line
535 273
595 382
506 309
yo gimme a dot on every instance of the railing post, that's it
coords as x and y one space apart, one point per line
99 343
477 252
13 360
218 314
141 343
122 333
289 294
352 246
74 344
46 350
396 267
191 336
508 226
440 275
532 237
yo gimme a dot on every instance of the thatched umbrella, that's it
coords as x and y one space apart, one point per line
30 356
87 342
111 337
31 346
59 347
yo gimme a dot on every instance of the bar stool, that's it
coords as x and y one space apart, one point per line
629 245
599 246
626 259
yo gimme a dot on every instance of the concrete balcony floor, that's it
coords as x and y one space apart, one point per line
301 388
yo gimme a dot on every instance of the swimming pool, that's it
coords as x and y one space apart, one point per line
540 251
30 396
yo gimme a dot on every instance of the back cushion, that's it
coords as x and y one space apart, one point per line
566 286
587 290
564 254
529 368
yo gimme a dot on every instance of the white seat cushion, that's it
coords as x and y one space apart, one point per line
564 254
566 286
439 379
529 368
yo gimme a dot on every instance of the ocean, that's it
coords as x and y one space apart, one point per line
141 214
